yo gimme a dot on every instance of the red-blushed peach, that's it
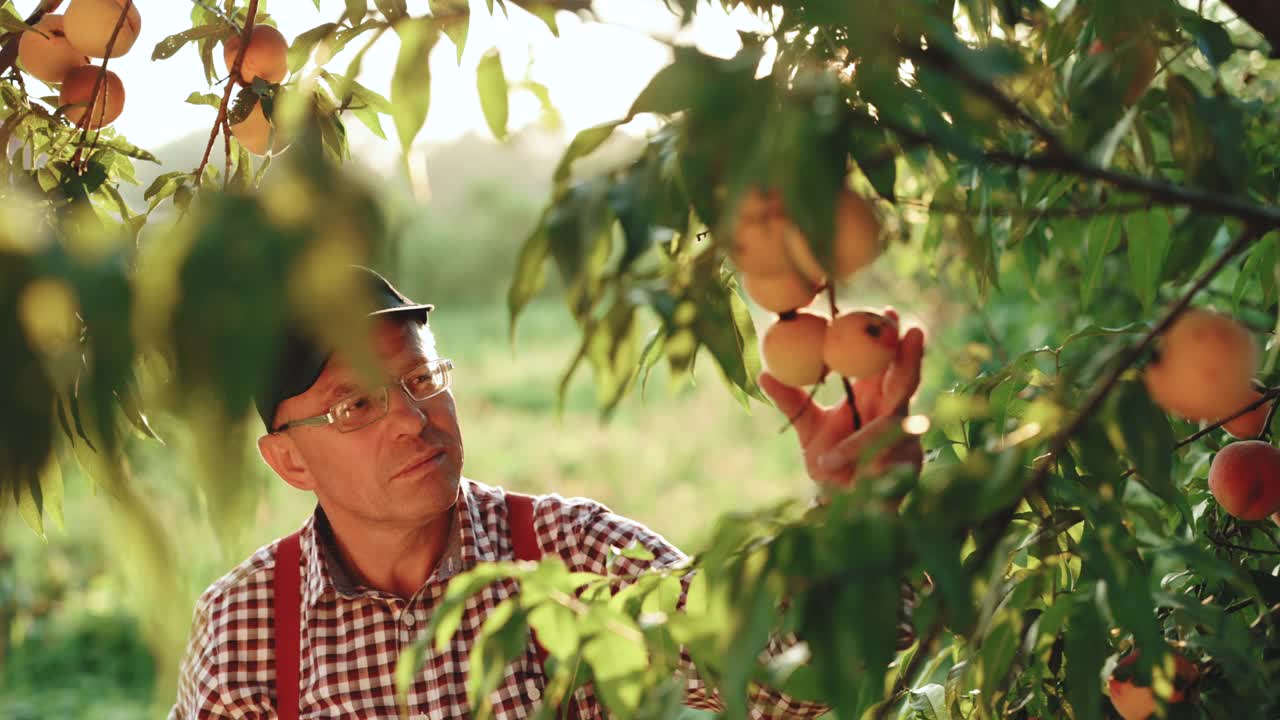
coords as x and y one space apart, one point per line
860 343
792 348
49 56
1244 478
1203 367
77 89
266 57
90 23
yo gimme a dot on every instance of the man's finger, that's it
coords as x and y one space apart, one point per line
874 437
794 402
902 379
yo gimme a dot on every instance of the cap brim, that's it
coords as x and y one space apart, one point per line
424 309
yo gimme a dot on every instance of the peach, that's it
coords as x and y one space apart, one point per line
1138 702
77 89
1135 59
89 24
1249 425
1203 366
49 56
759 224
254 133
267 56
860 344
792 349
1244 478
779 293
856 242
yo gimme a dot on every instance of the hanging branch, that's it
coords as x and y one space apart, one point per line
848 388
1104 387
250 14
1267 397
80 160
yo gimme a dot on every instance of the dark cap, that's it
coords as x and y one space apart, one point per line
301 361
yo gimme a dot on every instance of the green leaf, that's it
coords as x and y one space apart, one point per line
678 86
545 12
1213 40
355 11
618 665
30 504
529 276
210 99
582 144
492 85
12 24
928 703
302 45
392 9
1086 649
411 82
169 46
1101 239
557 628
1149 240
454 18
1148 441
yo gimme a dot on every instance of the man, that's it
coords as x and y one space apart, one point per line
396 519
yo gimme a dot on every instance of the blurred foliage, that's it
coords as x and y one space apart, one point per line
1049 205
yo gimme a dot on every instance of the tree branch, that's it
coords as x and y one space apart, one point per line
86 120
1104 387
234 73
1267 397
1263 15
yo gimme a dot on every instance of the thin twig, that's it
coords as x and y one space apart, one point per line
1037 213
250 14
938 59
86 120
1267 397
913 666
848 388
1266 424
1263 217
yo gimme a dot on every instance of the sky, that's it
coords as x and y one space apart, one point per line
592 71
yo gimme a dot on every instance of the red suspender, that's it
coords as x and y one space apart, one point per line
287 598
525 543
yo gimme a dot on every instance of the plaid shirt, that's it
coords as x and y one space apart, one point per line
352 635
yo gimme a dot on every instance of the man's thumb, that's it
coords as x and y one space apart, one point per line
793 402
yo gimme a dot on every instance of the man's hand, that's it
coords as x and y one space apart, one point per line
834 452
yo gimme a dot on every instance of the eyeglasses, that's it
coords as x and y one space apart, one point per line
365 408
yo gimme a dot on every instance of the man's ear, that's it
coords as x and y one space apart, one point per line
282 455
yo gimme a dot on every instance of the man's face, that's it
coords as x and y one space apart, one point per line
401 470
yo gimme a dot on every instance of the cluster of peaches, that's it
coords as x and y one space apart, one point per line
58 48
1203 371
782 275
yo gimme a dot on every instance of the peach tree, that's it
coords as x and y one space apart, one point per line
1091 536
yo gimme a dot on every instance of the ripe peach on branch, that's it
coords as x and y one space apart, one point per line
1204 366
1245 479
266 57
90 23
46 53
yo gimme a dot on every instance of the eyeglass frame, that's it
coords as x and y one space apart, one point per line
328 418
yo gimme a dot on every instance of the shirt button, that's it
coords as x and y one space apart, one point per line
408 618
532 691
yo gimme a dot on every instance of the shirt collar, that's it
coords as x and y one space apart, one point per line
327 571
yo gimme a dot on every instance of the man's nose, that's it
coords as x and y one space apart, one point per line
405 411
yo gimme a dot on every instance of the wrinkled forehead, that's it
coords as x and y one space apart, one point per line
397 345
